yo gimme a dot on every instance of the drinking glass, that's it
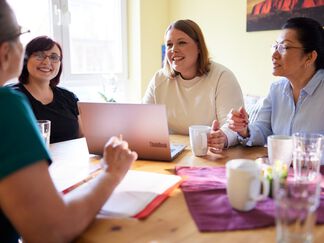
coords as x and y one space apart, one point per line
296 205
45 130
307 153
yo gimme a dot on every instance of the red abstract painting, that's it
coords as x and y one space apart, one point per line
271 14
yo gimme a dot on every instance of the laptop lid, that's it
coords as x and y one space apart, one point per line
143 126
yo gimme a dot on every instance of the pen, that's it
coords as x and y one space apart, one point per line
85 180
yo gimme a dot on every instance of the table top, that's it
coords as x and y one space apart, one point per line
171 221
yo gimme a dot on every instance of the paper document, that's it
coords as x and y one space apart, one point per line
69 174
139 193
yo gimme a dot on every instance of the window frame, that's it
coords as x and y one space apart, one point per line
61 20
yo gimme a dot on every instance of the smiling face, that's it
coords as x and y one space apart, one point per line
43 70
182 53
291 63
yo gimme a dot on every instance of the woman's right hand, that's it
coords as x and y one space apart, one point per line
238 121
117 158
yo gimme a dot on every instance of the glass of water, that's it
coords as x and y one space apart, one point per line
296 206
45 130
307 154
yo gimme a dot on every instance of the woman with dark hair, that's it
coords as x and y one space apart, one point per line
195 90
30 205
295 102
40 76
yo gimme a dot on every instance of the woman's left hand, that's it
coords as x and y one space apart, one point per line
217 139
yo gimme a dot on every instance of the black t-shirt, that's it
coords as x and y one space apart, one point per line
7 231
62 112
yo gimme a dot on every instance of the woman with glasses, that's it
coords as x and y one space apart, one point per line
30 205
40 76
195 90
295 102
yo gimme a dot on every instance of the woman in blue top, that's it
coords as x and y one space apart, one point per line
30 206
38 80
295 102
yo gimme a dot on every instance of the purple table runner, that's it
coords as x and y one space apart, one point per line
204 189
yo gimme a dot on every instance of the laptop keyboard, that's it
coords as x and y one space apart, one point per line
176 149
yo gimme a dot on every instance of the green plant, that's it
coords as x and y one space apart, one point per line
105 98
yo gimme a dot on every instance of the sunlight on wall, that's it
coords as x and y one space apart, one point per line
147 22
223 23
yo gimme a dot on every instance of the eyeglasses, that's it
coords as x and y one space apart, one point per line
41 56
282 49
14 35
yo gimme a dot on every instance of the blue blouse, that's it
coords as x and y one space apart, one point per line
280 115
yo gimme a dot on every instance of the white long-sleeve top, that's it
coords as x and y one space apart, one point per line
197 101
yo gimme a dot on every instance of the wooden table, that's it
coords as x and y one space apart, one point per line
171 222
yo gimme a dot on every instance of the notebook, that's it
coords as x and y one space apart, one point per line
139 198
143 126
137 195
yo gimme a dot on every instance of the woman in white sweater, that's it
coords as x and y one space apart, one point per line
195 90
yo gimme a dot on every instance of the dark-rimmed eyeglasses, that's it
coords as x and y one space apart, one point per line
14 35
41 56
282 48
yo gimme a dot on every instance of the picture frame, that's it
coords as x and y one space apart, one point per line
272 14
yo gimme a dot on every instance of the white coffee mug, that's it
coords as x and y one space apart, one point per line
244 181
198 139
280 149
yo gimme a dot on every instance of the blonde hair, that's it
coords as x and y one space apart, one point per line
194 32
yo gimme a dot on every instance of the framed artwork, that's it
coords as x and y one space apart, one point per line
272 14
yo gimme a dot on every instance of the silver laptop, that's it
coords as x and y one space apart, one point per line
143 126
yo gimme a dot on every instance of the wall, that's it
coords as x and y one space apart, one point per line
223 23
133 90
147 21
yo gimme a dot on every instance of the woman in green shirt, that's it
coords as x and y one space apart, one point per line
30 206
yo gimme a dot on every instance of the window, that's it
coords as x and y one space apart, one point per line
92 34
41 24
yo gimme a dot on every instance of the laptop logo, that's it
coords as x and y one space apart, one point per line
158 145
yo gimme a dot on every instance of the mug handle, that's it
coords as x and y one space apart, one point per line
265 189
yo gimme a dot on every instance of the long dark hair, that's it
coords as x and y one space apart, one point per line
41 43
311 35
